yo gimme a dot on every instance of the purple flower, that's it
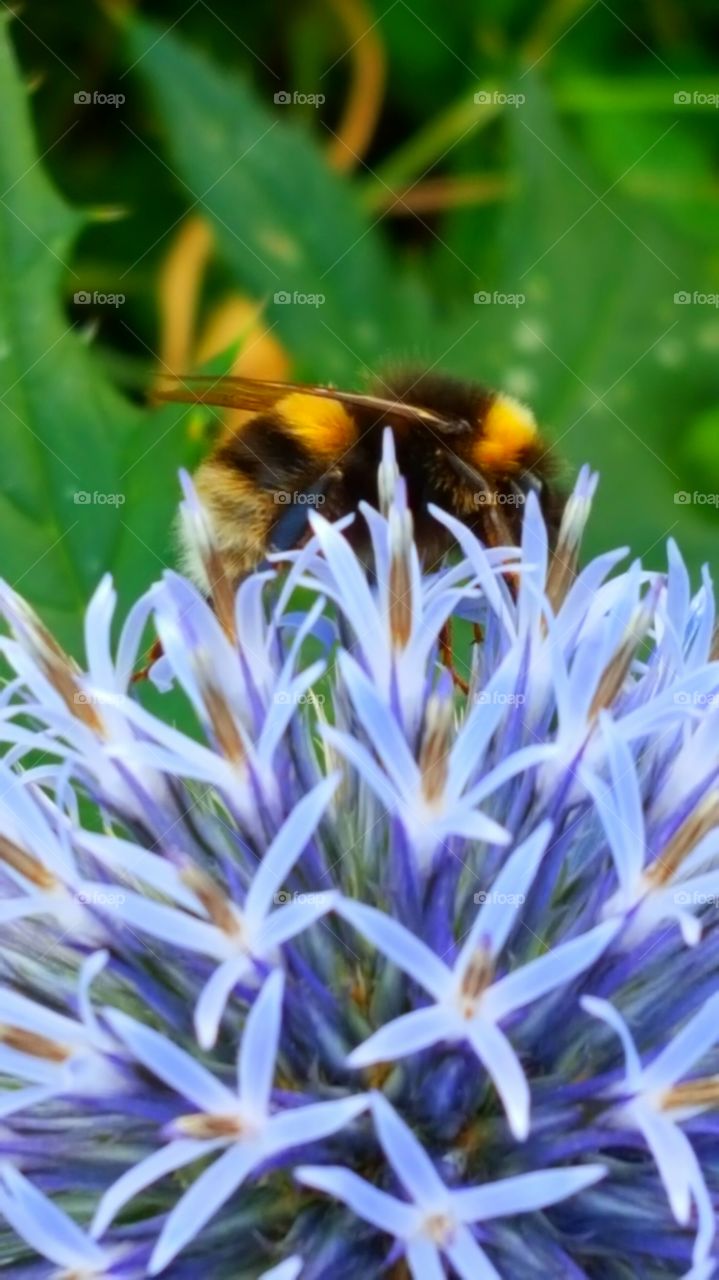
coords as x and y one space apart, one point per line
450 961
437 1219
238 1123
79 1055
469 1003
652 1100
665 885
53 1234
203 921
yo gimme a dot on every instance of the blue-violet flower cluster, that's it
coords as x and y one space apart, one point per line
354 975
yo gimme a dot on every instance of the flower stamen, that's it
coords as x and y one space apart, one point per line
703 819
434 751
692 1093
478 976
223 723
615 673
439 1227
36 1046
206 1127
400 578
217 905
55 664
25 865
565 557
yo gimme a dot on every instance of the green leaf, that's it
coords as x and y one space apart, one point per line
88 481
287 226
663 161
697 453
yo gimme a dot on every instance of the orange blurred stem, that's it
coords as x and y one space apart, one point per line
437 194
356 128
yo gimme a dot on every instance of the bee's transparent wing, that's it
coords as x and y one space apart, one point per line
246 393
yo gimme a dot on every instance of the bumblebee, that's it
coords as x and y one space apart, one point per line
474 452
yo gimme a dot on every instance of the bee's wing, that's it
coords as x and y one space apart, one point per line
246 393
223 392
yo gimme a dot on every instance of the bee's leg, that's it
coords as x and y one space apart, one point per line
445 653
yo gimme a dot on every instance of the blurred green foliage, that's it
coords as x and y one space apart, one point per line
583 184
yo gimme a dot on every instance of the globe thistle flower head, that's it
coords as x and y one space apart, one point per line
362 974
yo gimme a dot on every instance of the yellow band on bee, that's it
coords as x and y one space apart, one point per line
508 429
323 425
